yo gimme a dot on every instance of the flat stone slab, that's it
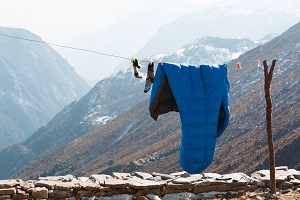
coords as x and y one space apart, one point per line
90 186
68 186
139 183
180 186
187 180
212 175
164 176
183 174
100 177
284 168
66 178
44 183
6 191
143 175
39 192
59 194
295 173
116 183
83 179
8 183
209 188
123 176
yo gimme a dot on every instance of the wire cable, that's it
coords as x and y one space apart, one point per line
63 46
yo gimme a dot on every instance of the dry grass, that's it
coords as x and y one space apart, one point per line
260 195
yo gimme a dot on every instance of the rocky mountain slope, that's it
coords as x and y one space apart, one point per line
108 99
135 142
35 84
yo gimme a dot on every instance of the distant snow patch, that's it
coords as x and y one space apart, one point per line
101 120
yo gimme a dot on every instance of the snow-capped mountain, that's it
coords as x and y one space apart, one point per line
35 84
209 50
251 19
133 141
108 99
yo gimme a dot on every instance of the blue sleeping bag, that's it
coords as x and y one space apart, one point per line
200 94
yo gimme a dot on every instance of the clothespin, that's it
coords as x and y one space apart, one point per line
258 63
135 65
238 66
151 61
132 59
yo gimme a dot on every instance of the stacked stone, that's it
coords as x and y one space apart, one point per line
140 185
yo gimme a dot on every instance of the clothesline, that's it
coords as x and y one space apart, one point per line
155 61
69 47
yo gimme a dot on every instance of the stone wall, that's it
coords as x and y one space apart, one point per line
145 186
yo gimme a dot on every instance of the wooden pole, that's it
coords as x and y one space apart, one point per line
268 80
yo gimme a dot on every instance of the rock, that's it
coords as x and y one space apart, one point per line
39 192
295 181
116 183
21 196
179 186
282 168
90 186
164 176
122 197
68 178
235 177
100 177
5 196
8 191
212 175
84 193
59 194
141 198
202 183
8 183
25 185
208 188
143 175
261 175
286 191
183 174
45 183
104 189
284 185
249 188
156 191
139 183
282 175
216 182
67 186
187 180
123 176
152 197
181 195
294 173
49 178
83 179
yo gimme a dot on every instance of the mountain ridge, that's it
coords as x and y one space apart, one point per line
36 83
135 142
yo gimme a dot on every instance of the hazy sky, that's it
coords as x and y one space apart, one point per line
60 21
64 21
